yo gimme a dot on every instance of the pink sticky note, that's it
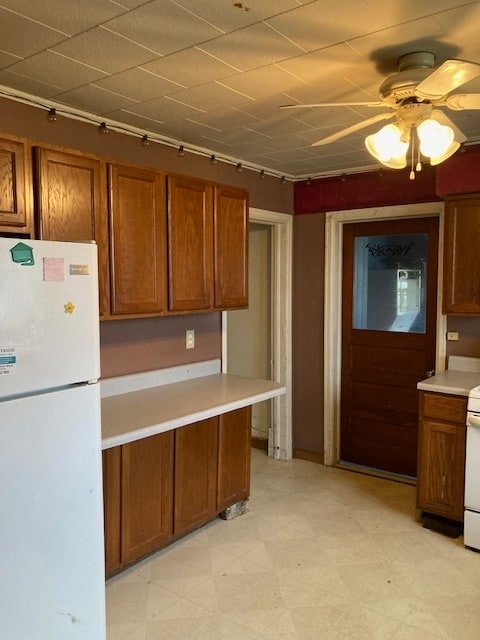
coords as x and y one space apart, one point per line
53 269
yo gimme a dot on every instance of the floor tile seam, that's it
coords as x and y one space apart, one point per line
161 584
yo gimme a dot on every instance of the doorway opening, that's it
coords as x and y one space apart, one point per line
257 341
333 307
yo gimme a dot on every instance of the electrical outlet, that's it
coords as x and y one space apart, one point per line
190 339
452 335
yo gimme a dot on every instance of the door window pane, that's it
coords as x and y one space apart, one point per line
389 282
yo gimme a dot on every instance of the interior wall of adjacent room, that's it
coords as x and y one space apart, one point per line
249 340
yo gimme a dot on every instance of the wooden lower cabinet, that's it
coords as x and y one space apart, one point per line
441 455
111 461
195 475
161 487
138 489
234 444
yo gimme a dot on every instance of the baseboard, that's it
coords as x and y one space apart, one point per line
260 443
311 456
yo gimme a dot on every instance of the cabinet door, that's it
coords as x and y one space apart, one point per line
146 495
231 247
461 261
440 481
190 214
111 461
195 474
137 234
72 205
234 444
12 184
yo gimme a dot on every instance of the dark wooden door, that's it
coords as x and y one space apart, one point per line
388 339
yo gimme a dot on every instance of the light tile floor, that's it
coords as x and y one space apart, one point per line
322 554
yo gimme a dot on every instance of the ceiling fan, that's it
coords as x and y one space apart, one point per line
414 96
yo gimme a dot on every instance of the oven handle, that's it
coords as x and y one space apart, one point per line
473 420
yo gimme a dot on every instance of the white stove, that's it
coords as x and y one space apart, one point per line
472 472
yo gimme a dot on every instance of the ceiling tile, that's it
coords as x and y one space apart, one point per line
6 59
95 100
104 50
144 26
137 84
51 68
252 47
319 24
66 16
209 96
385 46
22 37
164 109
394 12
27 85
261 83
228 16
140 122
183 67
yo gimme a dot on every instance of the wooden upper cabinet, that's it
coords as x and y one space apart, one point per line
13 201
230 248
138 239
190 216
461 293
71 205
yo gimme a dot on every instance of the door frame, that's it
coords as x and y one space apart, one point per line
334 222
280 436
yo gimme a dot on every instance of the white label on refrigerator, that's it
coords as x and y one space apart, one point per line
8 361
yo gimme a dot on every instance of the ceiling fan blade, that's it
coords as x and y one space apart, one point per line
354 127
448 76
440 117
332 104
460 101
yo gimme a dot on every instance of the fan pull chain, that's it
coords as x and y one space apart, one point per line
412 146
419 163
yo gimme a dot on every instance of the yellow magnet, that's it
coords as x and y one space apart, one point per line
69 307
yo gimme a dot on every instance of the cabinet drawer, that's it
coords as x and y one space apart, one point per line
444 407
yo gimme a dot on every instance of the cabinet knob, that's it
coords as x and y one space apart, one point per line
430 373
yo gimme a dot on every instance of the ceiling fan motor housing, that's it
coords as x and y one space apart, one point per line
412 69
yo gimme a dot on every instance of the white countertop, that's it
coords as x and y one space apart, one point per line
145 412
462 375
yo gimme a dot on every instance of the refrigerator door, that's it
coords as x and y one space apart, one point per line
51 534
49 326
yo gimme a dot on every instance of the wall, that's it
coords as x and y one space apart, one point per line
307 335
129 346
459 174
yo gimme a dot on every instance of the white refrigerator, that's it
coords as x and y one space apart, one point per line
52 584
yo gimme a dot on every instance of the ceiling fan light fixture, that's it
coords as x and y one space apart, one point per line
389 146
434 160
435 139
